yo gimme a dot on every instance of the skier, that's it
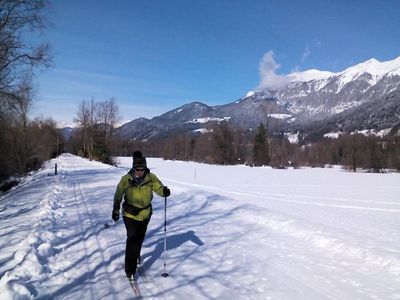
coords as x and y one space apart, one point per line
137 188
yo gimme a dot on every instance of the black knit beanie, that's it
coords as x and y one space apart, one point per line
136 155
139 162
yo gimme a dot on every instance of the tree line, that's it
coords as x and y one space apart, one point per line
225 144
25 143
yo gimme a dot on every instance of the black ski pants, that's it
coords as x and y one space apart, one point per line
135 233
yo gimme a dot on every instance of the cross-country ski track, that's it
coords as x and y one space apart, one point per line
233 232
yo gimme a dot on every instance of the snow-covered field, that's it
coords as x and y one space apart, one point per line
234 232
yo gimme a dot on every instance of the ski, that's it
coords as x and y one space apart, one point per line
135 288
134 285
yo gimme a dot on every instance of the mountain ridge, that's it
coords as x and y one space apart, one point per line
325 98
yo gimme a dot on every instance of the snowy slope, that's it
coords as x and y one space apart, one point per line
234 232
310 75
372 66
318 95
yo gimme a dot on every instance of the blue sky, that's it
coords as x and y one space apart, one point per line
153 56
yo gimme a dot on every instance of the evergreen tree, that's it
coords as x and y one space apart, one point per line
260 149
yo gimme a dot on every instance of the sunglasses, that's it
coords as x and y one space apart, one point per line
139 170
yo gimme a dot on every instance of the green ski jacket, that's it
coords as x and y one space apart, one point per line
137 195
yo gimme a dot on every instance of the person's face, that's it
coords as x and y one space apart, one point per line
139 172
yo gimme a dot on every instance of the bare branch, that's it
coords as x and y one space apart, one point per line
17 55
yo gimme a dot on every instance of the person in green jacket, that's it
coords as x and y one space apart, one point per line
136 187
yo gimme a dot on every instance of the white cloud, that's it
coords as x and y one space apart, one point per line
268 78
305 54
307 49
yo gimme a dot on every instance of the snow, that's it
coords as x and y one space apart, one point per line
366 132
234 232
209 119
293 138
203 130
374 67
249 94
384 132
344 106
310 75
332 135
280 116
373 132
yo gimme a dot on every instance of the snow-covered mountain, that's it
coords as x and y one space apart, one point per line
314 95
310 97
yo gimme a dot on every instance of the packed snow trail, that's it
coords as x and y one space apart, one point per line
233 233
65 254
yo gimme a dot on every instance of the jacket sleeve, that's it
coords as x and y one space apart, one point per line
157 185
119 192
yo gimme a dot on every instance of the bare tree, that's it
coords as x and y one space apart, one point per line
82 120
19 56
87 119
22 106
97 121
25 144
109 117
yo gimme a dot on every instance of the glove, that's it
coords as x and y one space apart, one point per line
115 216
166 191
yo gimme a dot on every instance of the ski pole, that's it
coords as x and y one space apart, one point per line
165 274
